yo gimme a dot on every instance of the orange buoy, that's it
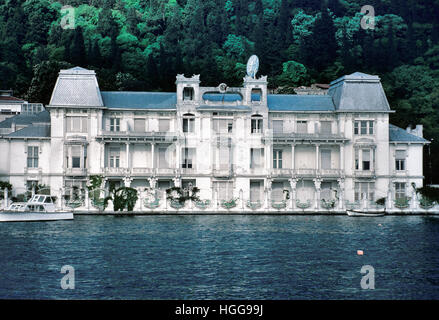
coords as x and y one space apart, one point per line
360 252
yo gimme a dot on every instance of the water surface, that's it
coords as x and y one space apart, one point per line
221 257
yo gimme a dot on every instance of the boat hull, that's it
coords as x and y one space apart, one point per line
11 216
355 213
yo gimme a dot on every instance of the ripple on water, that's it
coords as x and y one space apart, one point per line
221 257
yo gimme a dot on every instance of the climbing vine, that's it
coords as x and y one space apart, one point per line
180 195
124 198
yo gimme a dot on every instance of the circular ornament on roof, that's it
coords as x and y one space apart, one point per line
252 66
222 88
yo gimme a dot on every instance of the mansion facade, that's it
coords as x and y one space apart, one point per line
229 142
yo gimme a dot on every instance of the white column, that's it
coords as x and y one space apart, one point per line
317 184
152 155
102 155
317 158
127 156
293 156
342 158
293 184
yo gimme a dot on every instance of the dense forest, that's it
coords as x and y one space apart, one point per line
142 45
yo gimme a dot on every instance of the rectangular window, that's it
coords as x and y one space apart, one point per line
325 159
400 160
32 157
364 127
163 161
224 190
278 126
115 124
399 190
256 125
76 156
366 159
114 157
302 127
76 124
357 159
164 125
326 127
277 159
188 124
371 127
139 125
188 158
364 190
256 158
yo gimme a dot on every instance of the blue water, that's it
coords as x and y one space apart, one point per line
221 257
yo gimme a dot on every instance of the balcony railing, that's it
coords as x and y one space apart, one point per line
284 172
142 171
305 172
364 173
76 171
117 171
223 172
330 172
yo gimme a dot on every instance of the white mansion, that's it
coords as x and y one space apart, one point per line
229 142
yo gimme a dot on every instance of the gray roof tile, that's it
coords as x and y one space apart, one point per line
139 100
76 87
397 134
359 92
26 119
32 131
283 102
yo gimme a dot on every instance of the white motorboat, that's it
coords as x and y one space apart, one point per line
38 208
366 212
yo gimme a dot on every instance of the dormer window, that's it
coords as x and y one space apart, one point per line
188 94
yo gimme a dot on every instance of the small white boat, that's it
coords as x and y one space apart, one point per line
366 213
39 208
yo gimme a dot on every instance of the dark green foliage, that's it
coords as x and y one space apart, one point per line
142 45
123 198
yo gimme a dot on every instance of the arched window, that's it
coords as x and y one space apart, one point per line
188 122
256 124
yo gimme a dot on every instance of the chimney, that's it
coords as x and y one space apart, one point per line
419 131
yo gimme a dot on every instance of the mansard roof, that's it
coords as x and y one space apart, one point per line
284 102
397 134
139 100
76 87
26 119
32 131
359 92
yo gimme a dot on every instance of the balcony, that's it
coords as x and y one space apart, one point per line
293 137
76 171
165 171
305 172
153 136
331 172
117 171
284 172
142 171
225 172
364 173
